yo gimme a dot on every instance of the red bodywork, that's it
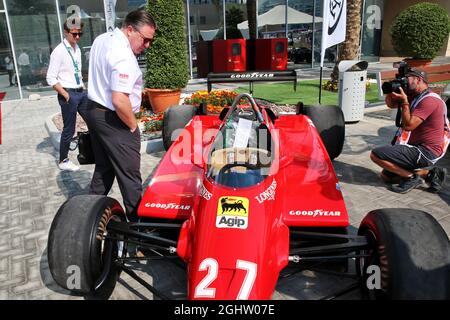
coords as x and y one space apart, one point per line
244 263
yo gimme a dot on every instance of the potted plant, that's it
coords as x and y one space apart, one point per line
419 32
167 61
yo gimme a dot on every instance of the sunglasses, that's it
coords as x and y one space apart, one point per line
146 40
79 34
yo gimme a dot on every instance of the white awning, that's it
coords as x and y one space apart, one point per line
208 34
277 15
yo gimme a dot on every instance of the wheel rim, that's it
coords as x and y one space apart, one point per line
371 257
100 255
102 234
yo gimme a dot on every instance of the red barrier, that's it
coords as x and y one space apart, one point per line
229 55
2 95
271 54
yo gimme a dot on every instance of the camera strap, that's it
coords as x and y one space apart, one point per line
402 136
414 103
398 117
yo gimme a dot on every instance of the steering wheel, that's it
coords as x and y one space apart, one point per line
220 158
228 167
252 103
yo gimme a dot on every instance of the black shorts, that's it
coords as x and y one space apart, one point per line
405 156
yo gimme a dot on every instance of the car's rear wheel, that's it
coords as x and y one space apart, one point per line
409 256
79 253
329 122
175 118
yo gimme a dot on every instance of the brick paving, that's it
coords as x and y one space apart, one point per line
32 188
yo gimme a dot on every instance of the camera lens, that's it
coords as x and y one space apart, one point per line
386 87
396 87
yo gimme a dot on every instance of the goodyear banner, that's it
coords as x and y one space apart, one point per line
333 25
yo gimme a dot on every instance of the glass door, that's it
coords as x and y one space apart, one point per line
8 74
35 32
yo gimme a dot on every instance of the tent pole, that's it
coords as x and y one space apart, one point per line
286 26
320 86
224 20
313 32
256 19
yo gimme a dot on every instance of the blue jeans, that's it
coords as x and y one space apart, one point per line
77 102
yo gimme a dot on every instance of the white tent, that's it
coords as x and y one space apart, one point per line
277 15
84 15
208 34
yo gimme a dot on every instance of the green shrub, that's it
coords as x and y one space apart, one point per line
419 31
167 60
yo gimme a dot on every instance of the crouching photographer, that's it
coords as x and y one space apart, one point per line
422 137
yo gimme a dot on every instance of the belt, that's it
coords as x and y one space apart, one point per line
99 106
74 89
103 108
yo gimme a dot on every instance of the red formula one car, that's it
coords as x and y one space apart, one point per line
237 198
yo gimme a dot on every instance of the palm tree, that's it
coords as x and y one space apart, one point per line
218 5
234 16
252 11
349 49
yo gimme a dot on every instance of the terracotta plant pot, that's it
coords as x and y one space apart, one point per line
418 63
161 99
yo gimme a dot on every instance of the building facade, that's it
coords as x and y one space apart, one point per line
30 29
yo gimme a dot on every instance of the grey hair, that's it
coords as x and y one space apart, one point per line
139 18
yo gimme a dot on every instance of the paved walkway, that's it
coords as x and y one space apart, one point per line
32 188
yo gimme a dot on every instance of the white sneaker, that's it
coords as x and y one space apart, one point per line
68 165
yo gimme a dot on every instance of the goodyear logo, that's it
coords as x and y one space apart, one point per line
232 212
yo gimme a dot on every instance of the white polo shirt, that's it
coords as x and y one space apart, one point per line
113 67
61 68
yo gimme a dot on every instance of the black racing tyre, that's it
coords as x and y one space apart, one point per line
76 239
329 121
175 118
412 252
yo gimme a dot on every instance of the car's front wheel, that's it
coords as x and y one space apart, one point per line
80 251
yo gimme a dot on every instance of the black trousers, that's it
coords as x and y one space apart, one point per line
10 77
117 155
77 103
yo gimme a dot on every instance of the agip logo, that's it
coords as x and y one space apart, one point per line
232 212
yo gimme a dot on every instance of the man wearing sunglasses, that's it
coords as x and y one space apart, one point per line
115 90
64 75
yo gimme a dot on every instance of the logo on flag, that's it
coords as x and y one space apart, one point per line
334 24
336 8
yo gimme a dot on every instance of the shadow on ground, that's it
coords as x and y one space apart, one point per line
354 174
73 183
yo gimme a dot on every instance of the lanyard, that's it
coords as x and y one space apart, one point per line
77 77
419 98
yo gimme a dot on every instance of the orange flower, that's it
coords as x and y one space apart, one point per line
215 100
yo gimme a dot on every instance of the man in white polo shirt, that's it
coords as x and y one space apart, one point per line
114 92
64 75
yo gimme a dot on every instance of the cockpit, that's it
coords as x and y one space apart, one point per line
241 154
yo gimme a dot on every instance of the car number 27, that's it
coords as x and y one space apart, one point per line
204 291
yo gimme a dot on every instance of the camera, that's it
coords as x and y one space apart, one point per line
400 80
